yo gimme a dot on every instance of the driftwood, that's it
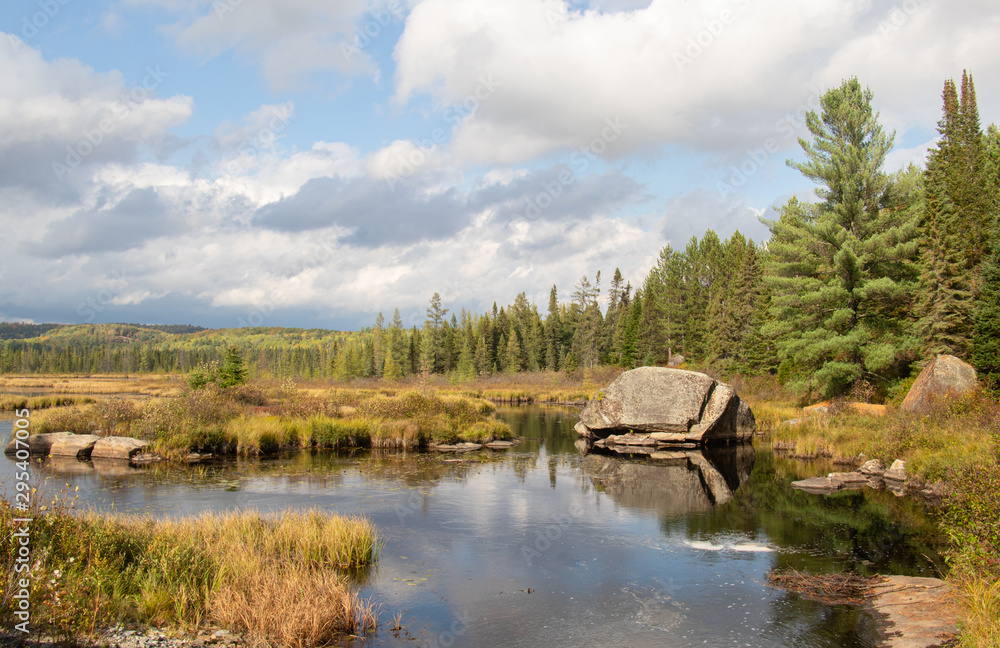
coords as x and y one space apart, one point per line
833 589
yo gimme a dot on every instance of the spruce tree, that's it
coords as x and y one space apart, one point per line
986 334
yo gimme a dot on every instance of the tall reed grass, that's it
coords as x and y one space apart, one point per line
282 580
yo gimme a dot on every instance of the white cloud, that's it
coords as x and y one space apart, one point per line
715 75
288 40
60 120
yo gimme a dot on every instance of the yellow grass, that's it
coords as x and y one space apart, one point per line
282 580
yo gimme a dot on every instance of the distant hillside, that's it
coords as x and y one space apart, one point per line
145 348
17 331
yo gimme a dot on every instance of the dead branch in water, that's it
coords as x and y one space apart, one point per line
832 589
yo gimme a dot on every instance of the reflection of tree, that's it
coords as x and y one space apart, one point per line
865 531
548 426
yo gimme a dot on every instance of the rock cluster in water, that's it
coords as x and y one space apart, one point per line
81 446
657 406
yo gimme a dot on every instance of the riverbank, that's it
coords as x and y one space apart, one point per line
955 445
283 581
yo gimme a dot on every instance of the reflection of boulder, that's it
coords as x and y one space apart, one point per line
114 467
62 465
674 481
656 406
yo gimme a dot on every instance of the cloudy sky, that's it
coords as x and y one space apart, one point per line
312 162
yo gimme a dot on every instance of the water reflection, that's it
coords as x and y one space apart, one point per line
543 545
671 482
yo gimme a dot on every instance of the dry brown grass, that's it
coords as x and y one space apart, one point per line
110 384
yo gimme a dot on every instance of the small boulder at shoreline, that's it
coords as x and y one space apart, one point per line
945 377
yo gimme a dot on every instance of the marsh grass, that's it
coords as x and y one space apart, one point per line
281 580
954 434
9 402
251 420
103 385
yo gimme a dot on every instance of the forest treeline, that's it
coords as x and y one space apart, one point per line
854 290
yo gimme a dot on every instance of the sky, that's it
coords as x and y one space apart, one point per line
311 163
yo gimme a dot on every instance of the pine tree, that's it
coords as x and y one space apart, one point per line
841 271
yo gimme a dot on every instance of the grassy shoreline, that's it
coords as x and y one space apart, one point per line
281 581
263 419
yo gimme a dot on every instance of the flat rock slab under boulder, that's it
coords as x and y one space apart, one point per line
833 482
38 444
115 447
945 377
920 612
74 445
667 406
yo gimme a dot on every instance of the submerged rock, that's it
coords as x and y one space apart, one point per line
657 405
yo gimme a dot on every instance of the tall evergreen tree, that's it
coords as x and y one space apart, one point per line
841 271
953 225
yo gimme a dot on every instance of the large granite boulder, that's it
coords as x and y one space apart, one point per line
665 406
945 377
38 444
115 447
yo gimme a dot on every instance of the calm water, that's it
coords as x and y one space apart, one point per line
542 546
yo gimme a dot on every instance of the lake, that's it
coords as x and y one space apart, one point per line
544 546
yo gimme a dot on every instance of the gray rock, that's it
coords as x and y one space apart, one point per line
819 485
146 458
115 447
38 444
675 405
74 445
946 377
847 480
896 472
872 467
